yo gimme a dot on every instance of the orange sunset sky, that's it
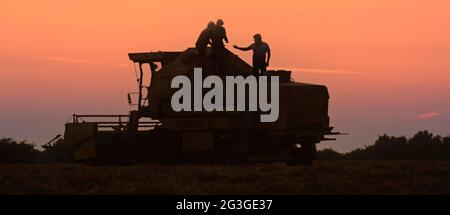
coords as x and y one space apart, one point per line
386 62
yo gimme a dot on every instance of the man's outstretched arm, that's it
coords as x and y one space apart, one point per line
243 48
268 56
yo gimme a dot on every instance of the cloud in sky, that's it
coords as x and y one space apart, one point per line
91 62
57 58
316 70
427 115
68 60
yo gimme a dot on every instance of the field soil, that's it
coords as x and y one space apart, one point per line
324 177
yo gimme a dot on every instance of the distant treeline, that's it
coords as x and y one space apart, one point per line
422 146
12 151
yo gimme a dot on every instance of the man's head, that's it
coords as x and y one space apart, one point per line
219 22
211 25
257 38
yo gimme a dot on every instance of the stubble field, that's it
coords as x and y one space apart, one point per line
324 177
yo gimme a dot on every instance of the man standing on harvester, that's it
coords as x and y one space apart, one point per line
217 47
260 50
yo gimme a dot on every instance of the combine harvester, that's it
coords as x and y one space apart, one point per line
153 132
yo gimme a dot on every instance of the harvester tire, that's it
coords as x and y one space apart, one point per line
305 155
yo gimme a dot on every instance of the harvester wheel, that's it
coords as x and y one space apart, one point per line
305 155
308 153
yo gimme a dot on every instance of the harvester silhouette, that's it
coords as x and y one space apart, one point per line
153 132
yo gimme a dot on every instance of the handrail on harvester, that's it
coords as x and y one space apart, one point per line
112 120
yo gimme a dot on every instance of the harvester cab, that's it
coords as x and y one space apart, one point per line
154 61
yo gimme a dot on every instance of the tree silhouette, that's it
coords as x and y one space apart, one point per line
422 146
